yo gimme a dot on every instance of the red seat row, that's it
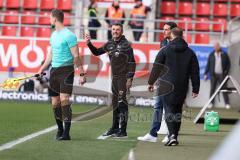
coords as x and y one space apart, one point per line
26 31
30 17
202 9
33 4
199 38
202 24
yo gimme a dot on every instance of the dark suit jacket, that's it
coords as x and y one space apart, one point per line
211 63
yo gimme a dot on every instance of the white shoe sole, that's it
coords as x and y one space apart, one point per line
165 140
146 140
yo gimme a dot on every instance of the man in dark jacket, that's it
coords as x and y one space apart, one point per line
123 69
158 106
183 65
218 67
167 33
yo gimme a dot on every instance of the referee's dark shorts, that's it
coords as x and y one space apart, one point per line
61 80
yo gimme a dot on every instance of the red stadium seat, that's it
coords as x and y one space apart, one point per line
188 38
30 4
220 9
161 36
162 23
202 38
183 24
65 5
1 3
185 8
43 32
28 17
13 4
9 31
27 32
235 0
11 17
44 18
67 19
203 9
47 4
218 27
168 8
201 25
235 10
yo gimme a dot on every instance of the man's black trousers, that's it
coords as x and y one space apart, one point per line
119 102
173 115
215 79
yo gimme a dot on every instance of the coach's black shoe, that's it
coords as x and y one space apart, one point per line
59 134
120 135
172 141
110 132
64 138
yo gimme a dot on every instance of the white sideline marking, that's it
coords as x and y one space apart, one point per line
103 137
131 155
26 138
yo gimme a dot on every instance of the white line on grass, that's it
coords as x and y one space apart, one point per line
36 134
103 137
131 155
26 138
44 131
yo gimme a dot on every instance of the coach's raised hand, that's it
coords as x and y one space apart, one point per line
87 38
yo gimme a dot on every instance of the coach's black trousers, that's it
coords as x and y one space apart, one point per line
173 114
119 103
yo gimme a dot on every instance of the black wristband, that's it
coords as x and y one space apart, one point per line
82 74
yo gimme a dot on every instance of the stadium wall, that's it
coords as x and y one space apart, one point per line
26 55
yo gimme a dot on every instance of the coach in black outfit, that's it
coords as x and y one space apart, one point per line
123 67
218 66
183 65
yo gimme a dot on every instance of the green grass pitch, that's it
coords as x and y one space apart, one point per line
18 119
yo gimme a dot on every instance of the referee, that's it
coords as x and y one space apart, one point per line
123 67
63 55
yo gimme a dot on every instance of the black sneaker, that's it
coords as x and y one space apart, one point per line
120 135
59 134
172 141
64 138
110 132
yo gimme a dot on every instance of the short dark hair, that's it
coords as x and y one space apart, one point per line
58 14
177 32
171 24
118 24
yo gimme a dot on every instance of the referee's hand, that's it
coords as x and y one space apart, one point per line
82 80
